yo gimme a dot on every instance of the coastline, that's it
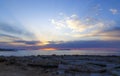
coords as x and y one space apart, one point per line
62 65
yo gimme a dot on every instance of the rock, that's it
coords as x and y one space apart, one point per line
44 64
11 60
81 68
95 74
2 59
115 72
65 65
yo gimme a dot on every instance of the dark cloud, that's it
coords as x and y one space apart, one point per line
117 29
6 45
113 32
54 42
27 42
64 45
9 36
112 29
86 44
16 30
9 29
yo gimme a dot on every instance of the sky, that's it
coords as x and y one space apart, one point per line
60 24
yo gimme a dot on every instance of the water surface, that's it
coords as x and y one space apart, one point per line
58 52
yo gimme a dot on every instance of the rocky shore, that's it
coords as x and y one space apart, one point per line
65 65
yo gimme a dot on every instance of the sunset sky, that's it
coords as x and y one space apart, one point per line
60 24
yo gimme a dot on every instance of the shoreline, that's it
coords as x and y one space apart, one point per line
60 65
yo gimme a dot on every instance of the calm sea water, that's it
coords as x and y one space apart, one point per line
58 52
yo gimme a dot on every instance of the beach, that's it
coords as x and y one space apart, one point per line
60 65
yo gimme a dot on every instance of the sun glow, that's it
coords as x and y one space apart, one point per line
49 49
43 43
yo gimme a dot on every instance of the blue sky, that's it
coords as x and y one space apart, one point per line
40 22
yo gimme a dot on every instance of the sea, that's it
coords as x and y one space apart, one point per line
60 52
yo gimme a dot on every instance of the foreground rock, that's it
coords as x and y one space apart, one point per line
60 66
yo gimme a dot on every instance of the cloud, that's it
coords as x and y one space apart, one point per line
58 24
74 23
111 34
88 27
8 38
85 44
108 34
113 11
5 27
14 30
27 42
92 44
8 45
71 22
55 42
